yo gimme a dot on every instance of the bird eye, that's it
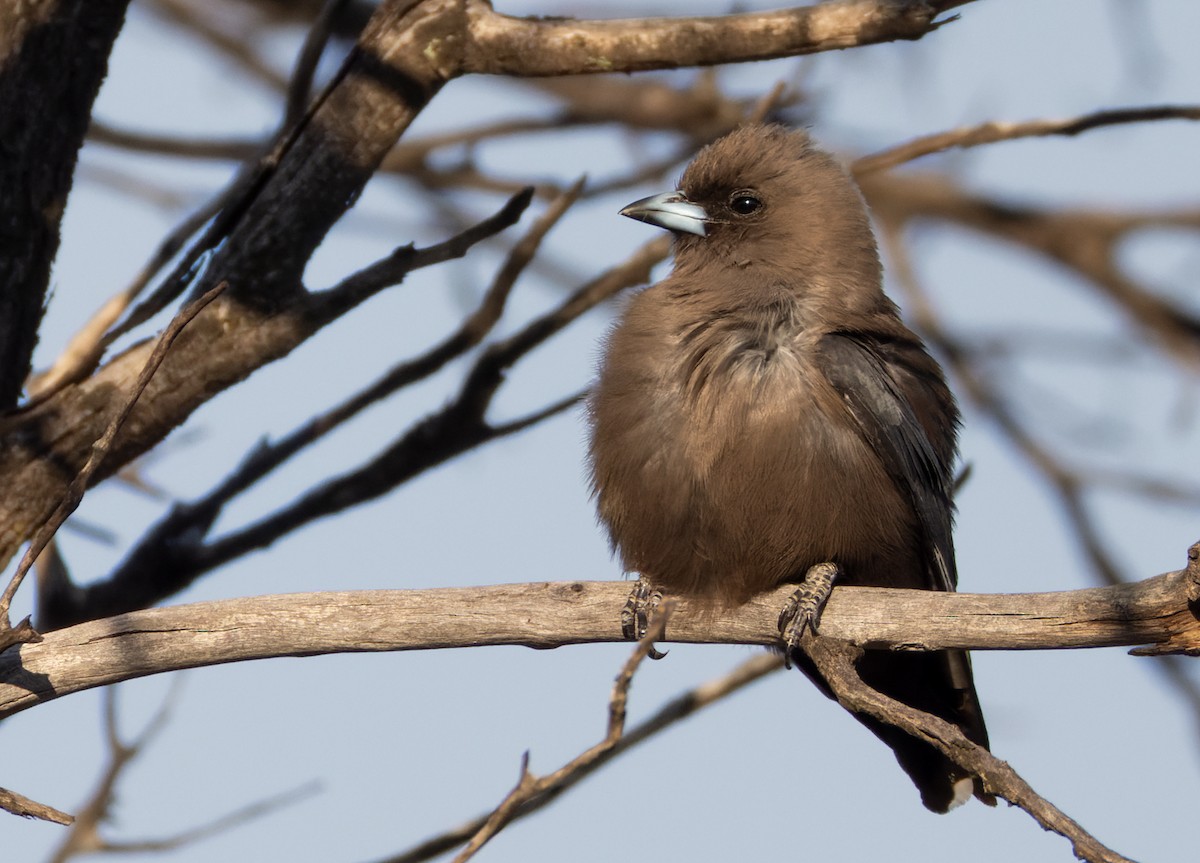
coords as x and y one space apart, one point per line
744 203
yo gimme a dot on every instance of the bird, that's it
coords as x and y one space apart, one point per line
764 410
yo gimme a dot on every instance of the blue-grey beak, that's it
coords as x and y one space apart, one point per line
670 210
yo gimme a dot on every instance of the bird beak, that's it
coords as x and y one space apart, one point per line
670 210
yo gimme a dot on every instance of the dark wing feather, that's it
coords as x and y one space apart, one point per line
871 374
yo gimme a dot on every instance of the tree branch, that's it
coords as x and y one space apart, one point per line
530 787
538 47
836 661
995 131
99 452
45 102
675 710
19 804
1158 611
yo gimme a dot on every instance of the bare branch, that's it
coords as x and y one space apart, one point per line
675 710
100 450
187 147
18 804
85 835
300 86
330 304
835 661
1086 241
1156 611
995 130
530 787
528 47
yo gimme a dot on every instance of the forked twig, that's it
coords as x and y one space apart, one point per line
530 786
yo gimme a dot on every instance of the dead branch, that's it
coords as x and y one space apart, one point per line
1158 611
18 804
86 835
99 452
498 44
675 710
530 787
835 660
995 131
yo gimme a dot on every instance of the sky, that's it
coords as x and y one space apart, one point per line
407 745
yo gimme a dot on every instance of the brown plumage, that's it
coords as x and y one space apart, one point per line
764 409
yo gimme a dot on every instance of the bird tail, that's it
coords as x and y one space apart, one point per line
939 683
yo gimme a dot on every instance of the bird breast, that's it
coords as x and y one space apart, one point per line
723 460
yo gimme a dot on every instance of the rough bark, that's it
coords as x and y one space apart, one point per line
1158 611
53 58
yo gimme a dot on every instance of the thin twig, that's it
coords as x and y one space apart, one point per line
300 86
675 710
100 449
994 131
391 270
85 835
528 786
86 348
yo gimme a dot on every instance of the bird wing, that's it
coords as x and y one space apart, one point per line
863 369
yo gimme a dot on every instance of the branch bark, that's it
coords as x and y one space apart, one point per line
1159 611
53 57
836 661
531 47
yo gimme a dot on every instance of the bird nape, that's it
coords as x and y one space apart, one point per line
764 409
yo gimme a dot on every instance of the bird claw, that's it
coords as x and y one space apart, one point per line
803 609
635 616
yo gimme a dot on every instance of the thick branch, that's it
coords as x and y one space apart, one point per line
1155 611
53 57
538 47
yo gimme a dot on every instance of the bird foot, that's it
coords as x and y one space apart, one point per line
635 616
803 609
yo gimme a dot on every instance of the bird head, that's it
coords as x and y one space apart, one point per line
765 205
